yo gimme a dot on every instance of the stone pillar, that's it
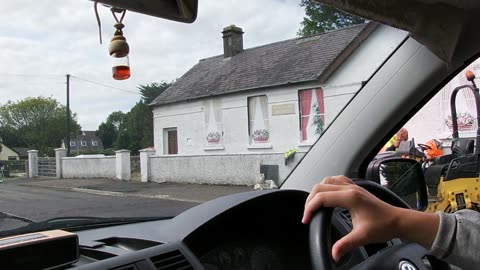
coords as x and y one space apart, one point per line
145 155
123 171
59 154
32 163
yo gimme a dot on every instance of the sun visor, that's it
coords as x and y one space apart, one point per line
437 24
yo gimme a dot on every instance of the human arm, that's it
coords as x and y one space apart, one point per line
374 221
458 239
392 147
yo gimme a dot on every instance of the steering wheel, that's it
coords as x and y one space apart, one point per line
424 146
398 256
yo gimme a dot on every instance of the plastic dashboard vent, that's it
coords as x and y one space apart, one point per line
173 260
345 214
128 267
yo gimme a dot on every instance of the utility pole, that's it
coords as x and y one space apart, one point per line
68 116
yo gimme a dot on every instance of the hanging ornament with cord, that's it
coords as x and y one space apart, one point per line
118 47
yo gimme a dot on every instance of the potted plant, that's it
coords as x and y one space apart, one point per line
214 137
260 135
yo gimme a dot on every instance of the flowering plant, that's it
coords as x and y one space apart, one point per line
289 155
260 135
214 137
465 121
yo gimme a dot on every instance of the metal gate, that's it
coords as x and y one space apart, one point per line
14 168
47 166
135 168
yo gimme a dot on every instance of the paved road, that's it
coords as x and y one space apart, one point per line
41 203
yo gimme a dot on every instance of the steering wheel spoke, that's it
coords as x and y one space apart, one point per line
404 256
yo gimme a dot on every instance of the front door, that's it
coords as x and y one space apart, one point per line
172 142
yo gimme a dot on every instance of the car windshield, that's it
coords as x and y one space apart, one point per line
192 112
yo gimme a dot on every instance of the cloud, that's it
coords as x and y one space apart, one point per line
42 41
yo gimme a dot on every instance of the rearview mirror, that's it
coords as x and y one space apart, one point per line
175 10
403 177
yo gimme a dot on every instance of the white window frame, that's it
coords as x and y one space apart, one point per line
252 143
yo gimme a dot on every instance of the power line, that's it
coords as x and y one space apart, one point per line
105 85
30 75
58 76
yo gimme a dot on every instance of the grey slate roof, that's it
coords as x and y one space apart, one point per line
291 61
21 151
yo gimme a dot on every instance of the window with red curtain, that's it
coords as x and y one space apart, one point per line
312 114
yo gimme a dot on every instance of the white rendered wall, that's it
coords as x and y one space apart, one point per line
242 169
7 152
92 167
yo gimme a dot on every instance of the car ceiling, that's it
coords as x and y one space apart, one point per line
445 27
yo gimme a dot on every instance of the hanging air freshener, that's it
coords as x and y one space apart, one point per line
119 50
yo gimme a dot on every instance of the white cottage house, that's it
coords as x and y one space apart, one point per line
233 116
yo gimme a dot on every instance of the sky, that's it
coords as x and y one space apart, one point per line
42 41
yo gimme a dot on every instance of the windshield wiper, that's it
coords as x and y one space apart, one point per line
4 215
77 223
10 222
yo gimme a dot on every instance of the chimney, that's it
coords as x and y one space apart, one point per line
232 40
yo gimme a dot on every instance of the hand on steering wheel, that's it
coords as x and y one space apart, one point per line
374 221
364 207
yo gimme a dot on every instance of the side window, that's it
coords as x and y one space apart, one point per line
434 120
83 143
312 114
94 143
213 122
258 128
443 148
466 111
73 143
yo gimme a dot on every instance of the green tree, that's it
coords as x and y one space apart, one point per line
134 132
36 122
151 91
320 18
9 137
108 130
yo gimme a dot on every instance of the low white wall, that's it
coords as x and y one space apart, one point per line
91 167
243 169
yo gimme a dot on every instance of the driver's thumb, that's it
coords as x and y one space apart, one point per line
346 244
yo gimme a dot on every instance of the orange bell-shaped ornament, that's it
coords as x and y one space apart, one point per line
470 75
119 50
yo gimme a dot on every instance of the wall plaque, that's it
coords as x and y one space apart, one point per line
283 109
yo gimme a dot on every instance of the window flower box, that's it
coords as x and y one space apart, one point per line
260 135
214 137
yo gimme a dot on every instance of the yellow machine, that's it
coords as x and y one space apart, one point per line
453 195
453 180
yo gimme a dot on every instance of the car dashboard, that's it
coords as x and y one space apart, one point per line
252 230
